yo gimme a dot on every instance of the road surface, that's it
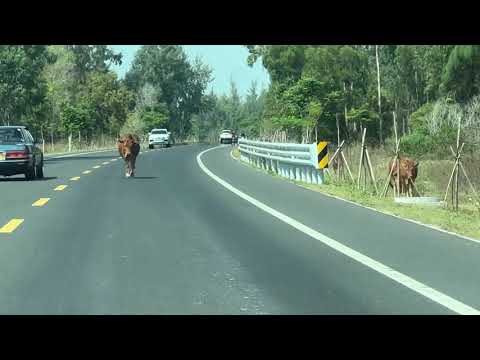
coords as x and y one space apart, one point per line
173 240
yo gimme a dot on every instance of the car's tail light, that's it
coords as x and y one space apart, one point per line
22 154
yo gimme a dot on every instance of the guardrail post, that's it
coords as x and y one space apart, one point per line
320 174
314 176
304 173
309 175
298 175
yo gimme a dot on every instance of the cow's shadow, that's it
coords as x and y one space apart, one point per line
143 177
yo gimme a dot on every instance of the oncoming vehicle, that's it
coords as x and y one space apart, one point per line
19 153
226 137
159 137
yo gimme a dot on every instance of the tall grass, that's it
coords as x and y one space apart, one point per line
433 175
61 145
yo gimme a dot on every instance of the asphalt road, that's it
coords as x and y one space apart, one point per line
173 240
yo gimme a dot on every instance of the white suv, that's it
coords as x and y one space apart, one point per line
158 137
226 137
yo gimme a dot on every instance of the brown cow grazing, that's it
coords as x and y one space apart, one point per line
408 175
129 148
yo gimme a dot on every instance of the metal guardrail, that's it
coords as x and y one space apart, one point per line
293 161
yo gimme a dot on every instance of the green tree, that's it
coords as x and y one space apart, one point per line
22 87
89 58
178 84
461 74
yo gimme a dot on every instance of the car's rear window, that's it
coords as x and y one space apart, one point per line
159 132
11 136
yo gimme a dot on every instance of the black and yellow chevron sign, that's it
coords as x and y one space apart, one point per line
322 154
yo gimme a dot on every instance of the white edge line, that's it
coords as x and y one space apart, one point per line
372 209
405 280
395 216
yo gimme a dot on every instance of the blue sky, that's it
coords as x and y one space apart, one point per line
227 62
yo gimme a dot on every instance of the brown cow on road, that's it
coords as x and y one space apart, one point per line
129 148
408 174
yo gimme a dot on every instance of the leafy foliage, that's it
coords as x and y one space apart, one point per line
322 83
163 76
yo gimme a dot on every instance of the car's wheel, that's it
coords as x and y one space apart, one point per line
40 171
150 146
30 174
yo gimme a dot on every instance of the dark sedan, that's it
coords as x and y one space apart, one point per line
19 154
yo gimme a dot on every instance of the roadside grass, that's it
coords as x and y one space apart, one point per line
61 148
433 175
432 181
465 222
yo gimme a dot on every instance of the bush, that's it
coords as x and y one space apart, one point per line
433 131
420 143
154 119
418 121
417 144
134 125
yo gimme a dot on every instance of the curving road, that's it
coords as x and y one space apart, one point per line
177 239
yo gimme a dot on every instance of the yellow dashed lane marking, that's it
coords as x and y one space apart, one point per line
96 167
87 172
60 188
40 202
10 226
75 178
